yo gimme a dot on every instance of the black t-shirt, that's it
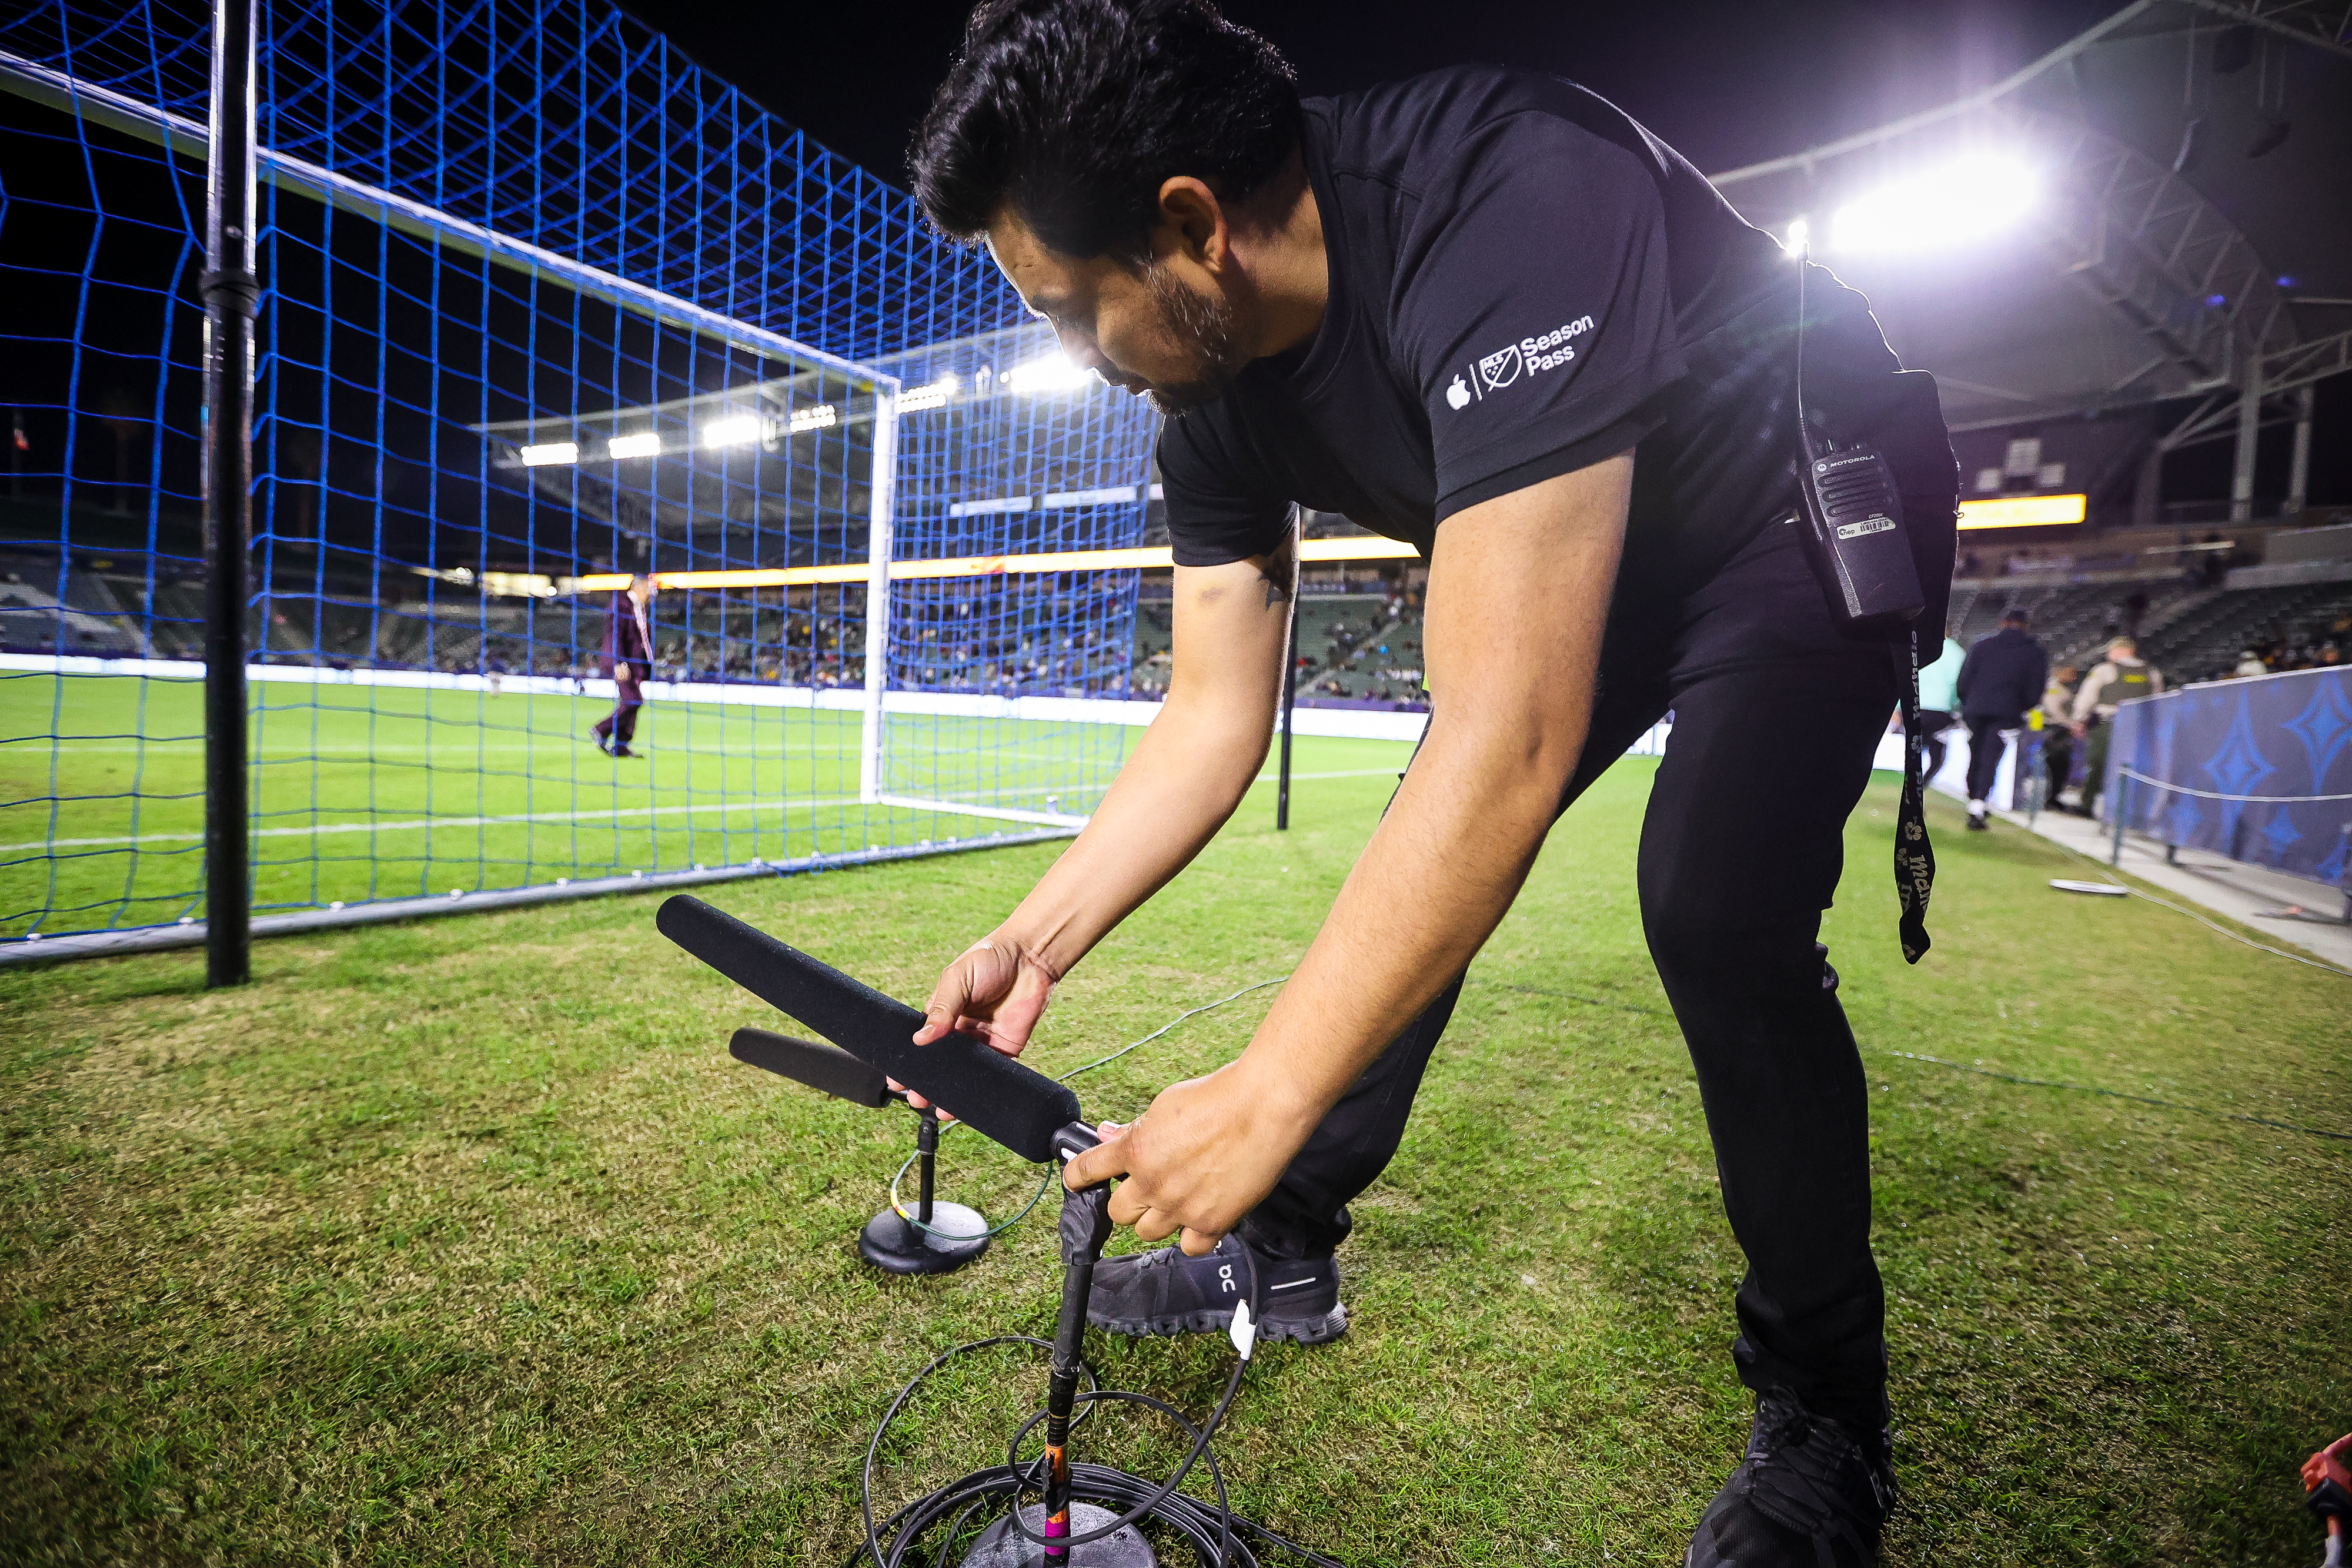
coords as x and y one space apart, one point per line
1523 282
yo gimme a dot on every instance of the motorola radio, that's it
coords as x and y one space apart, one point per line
1854 520
1852 515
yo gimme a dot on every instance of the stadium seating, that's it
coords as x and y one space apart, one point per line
87 620
2206 641
2190 633
1360 646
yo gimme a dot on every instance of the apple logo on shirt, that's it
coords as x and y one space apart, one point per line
1457 395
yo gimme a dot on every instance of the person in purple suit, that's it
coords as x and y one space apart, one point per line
628 661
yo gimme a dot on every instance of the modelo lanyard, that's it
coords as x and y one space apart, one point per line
1914 857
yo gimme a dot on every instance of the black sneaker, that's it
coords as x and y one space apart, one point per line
1164 1292
1806 1495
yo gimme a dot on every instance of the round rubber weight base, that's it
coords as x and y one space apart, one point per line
956 1237
1002 1546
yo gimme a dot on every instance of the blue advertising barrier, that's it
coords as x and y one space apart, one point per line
2259 770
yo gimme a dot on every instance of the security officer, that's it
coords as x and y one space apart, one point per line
2115 681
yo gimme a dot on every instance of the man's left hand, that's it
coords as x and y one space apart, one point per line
1205 1154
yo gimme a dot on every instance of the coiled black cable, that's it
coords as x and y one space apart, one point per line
975 1499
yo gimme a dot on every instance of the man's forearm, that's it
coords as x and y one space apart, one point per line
1188 773
1519 590
1436 878
1518 596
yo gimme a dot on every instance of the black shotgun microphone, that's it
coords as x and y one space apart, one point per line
1001 1099
821 1067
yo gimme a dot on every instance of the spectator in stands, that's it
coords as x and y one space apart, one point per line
2135 606
2057 713
2213 563
2250 664
2000 678
628 663
1939 701
2122 676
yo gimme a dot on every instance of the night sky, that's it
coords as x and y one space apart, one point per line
1725 81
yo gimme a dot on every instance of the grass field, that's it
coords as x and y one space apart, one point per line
465 1241
372 793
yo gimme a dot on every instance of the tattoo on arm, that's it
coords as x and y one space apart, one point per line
1280 571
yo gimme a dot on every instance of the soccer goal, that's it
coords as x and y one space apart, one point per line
545 308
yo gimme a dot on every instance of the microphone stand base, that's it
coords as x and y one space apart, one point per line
1002 1546
957 1237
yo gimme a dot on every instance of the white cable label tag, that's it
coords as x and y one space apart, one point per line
1244 1333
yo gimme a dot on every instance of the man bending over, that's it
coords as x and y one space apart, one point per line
1484 312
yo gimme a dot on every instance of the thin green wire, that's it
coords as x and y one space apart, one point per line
1046 1180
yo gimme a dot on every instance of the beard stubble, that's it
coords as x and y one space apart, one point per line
1203 326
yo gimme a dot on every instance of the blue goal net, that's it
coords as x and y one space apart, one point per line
546 309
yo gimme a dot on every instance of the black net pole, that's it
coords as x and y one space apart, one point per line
1290 707
231 294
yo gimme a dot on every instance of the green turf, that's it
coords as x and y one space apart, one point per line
465 1241
374 792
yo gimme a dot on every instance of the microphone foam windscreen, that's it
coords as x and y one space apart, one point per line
1002 1098
821 1067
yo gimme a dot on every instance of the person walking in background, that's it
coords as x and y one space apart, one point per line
2058 732
629 662
2122 677
2000 678
1939 701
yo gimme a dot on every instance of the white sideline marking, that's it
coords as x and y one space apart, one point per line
1342 773
611 813
616 811
296 749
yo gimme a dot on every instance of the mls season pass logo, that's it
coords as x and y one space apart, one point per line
1532 356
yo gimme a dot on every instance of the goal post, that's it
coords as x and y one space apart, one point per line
883 487
542 309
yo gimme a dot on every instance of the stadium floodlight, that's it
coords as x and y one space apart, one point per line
820 417
551 453
932 396
1044 378
1798 238
1966 200
646 445
736 430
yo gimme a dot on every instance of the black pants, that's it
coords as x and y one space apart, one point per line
2058 758
1933 723
620 724
1777 715
1985 747
2094 749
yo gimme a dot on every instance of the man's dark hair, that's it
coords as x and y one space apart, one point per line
1075 111
2016 617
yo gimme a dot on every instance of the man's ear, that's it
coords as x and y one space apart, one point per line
1192 223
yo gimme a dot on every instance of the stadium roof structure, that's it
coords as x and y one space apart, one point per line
2156 209
776 472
